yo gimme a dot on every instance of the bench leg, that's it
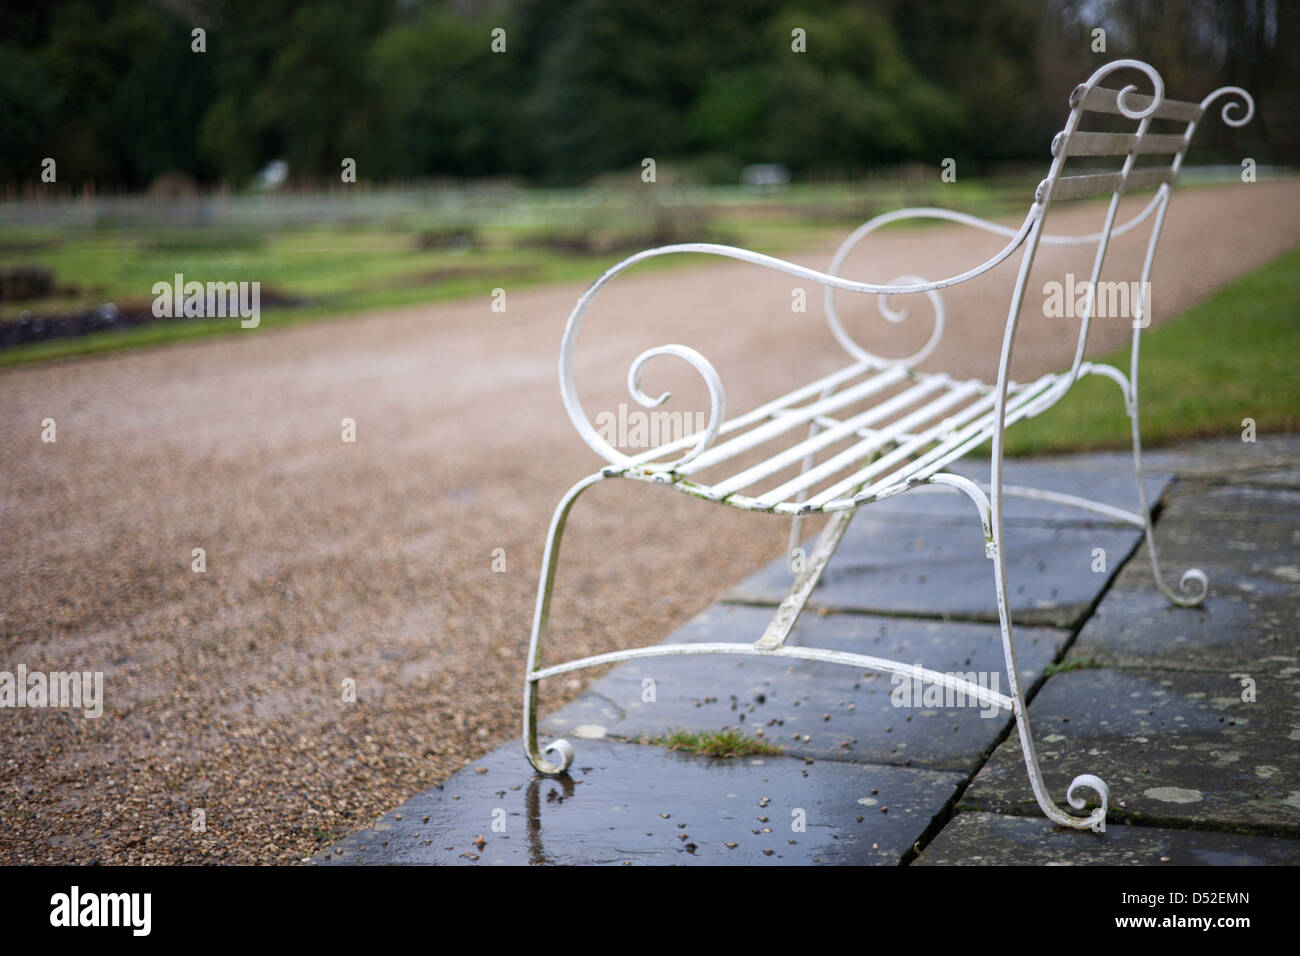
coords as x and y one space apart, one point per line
1097 819
561 749
789 610
1194 585
993 535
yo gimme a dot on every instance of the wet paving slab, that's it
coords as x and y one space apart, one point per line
1106 477
1137 628
1175 748
1271 478
922 553
935 566
1249 622
824 711
1239 500
643 805
988 839
1230 458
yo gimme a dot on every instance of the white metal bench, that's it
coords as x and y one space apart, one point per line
909 425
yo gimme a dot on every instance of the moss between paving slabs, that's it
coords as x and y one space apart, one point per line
717 743
1229 358
1067 666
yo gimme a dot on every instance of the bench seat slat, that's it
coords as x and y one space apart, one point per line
964 432
1121 144
956 425
1147 178
1077 187
857 452
956 446
1103 100
828 436
767 410
1097 184
793 418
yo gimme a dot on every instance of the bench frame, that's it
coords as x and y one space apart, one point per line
988 499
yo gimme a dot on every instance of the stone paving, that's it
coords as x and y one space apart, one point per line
1190 715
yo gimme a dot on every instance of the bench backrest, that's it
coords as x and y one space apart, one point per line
1145 160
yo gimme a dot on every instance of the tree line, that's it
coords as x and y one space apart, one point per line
120 92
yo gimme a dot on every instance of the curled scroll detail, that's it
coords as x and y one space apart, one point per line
717 397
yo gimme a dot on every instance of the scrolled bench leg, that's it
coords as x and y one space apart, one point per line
537 755
1194 585
1095 821
991 517
560 748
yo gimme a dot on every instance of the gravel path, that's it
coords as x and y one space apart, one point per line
373 561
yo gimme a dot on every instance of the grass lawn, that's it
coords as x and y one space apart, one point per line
1226 359
375 257
328 274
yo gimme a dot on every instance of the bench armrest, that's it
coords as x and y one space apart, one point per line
937 212
697 361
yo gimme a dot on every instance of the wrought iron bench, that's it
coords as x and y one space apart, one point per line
909 425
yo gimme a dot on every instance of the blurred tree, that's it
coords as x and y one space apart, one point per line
156 108
29 105
292 85
450 105
88 46
409 88
981 55
621 77
854 99
316 94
